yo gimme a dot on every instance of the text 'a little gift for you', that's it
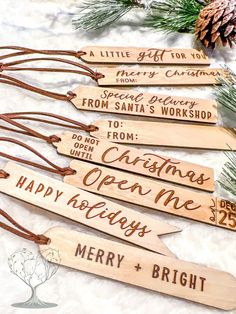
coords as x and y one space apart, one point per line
123 55
113 76
131 265
78 205
128 187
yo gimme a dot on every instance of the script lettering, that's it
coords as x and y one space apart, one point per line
147 163
109 184
98 210
158 167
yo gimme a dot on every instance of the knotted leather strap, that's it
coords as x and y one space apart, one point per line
21 128
53 167
21 231
21 51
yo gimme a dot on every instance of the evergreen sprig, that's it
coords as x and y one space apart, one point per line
174 15
228 175
226 92
96 14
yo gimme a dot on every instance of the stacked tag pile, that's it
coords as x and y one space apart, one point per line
138 175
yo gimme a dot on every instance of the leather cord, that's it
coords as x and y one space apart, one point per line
9 66
21 231
53 167
25 130
21 128
6 79
26 115
26 51
14 66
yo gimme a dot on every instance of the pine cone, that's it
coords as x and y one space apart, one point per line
216 24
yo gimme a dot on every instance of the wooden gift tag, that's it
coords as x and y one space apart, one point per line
153 194
160 76
86 208
144 104
166 134
135 160
142 268
96 54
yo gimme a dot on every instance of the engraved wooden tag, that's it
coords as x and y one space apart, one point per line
86 208
153 194
131 102
96 54
166 134
142 268
159 76
135 160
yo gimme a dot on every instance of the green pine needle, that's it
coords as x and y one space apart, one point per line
226 92
228 175
174 15
96 14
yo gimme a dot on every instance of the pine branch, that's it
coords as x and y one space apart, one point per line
226 92
228 175
96 14
174 15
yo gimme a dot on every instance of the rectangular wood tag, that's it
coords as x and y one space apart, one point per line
125 55
135 103
150 193
166 134
159 76
86 208
141 268
135 160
